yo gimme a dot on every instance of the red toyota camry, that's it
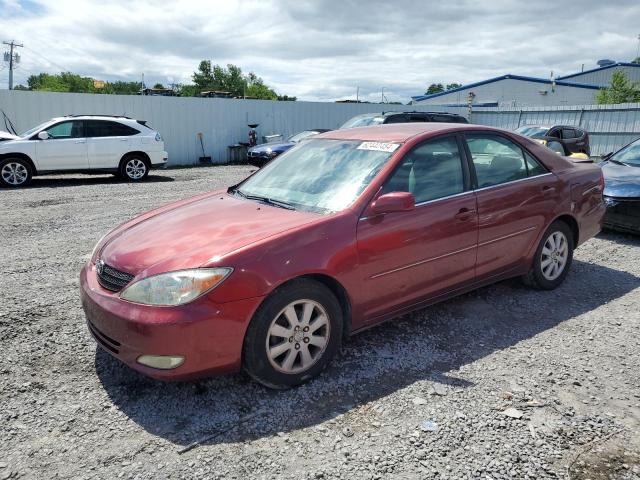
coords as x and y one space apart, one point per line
343 231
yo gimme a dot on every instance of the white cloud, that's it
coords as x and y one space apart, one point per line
320 50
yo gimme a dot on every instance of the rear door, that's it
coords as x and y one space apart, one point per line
409 256
515 192
108 142
65 149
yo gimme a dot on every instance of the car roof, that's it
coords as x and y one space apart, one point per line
94 117
399 132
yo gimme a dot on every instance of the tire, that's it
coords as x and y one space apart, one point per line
552 259
133 168
15 173
274 327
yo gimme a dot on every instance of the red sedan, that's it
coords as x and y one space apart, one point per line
341 232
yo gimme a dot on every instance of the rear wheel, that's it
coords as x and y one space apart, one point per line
134 168
293 335
552 258
15 172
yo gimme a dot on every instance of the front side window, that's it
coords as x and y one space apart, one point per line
319 175
71 129
430 171
499 160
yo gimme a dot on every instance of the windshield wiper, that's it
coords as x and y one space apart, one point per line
617 162
267 200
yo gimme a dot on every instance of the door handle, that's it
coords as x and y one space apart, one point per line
548 189
464 214
81 141
124 139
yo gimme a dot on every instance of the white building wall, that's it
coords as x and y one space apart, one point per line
513 93
603 77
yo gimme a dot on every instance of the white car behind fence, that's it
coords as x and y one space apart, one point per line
123 146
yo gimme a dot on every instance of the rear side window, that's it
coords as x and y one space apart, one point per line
498 160
396 119
104 128
569 133
430 171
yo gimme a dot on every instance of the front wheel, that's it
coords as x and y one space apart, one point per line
294 335
552 258
133 168
14 172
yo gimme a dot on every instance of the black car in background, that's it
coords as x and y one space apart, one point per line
261 154
563 139
368 119
622 188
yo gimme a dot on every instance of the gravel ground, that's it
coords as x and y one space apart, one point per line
512 383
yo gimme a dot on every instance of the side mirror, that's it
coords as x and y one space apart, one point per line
393 202
44 136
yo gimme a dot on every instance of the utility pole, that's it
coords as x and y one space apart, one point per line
12 58
638 49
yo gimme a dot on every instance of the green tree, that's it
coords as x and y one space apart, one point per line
451 86
62 82
636 60
121 88
158 86
434 88
229 79
203 77
620 90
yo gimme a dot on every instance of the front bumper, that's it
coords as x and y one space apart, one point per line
622 214
209 335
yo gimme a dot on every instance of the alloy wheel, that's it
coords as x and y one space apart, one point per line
555 253
298 336
14 173
135 169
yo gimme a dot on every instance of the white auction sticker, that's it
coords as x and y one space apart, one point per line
379 146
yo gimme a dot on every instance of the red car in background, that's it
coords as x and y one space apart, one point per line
343 231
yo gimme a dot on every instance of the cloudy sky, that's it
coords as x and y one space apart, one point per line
320 50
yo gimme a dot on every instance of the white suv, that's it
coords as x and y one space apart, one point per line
82 144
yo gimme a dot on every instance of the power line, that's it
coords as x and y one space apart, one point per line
62 69
12 58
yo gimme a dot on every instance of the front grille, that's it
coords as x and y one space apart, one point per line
111 278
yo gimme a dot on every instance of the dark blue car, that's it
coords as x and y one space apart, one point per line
261 154
622 188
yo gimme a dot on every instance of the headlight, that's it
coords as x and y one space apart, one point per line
175 288
158 137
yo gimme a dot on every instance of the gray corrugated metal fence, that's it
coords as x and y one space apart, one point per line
610 126
223 122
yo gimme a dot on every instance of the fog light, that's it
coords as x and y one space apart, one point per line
163 362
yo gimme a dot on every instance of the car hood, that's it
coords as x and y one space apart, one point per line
273 146
196 234
621 181
7 136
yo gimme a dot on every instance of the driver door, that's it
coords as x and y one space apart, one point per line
407 257
65 149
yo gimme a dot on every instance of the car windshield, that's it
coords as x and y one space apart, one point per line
629 155
299 136
33 130
319 175
532 131
363 121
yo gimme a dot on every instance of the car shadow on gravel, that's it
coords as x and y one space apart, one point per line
51 182
423 349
